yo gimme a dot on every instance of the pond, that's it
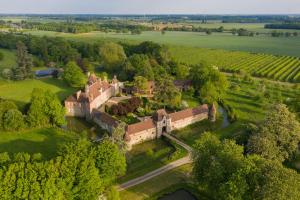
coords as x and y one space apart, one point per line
80 125
180 194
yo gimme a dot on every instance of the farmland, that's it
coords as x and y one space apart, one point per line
281 68
258 44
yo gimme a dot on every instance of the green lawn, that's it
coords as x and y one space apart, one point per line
20 91
9 59
45 141
149 156
259 44
150 188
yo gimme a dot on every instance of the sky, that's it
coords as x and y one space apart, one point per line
150 6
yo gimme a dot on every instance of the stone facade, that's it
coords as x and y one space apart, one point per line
162 122
96 93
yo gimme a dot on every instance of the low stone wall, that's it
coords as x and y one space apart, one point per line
142 136
188 121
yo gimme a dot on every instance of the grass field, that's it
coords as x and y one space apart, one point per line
260 44
9 59
20 91
45 141
149 156
150 188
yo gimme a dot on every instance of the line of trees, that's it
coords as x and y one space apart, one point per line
295 26
80 171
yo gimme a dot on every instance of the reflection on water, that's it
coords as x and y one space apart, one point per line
179 195
80 125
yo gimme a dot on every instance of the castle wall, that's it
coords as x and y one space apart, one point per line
101 99
188 121
103 125
142 136
74 109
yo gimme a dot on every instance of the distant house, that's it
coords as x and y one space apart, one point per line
46 73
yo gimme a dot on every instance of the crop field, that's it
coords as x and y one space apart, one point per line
281 68
258 44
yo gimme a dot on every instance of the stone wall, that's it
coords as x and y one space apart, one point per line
142 136
75 109
188 121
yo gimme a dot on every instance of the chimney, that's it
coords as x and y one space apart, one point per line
78 94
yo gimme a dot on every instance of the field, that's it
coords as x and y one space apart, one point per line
259 44
282 68
20 91
149 156
45 141
9 59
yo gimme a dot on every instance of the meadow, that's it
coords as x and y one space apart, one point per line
45 141
20 91
259 44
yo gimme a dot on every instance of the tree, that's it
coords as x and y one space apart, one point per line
45 109
166 92
13 120
208 82
73 75
182 71
112 55
24 60
118 134
139 65
141 83
110 161
5 106
222 168
278 136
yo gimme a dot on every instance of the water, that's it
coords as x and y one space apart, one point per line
223 112
179 195
80 125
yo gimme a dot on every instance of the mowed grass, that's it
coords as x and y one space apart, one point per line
45 141
150 188
9 59
147 157
20 91
258 44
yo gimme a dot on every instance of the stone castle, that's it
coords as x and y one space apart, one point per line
97 92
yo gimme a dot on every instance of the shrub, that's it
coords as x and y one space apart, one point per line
13 120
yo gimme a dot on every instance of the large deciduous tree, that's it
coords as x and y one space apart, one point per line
278 136
113 56
45 109
166 92
73 75
13 120
209 83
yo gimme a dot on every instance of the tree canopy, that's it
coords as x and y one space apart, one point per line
210 84
278 137
222 168
73 75
112 55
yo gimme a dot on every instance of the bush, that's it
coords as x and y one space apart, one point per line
13 120
7 74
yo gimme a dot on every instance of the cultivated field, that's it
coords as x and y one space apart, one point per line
282 68
258 44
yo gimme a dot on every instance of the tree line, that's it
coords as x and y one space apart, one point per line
295 26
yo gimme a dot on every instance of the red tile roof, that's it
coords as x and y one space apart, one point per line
188 113
141 126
